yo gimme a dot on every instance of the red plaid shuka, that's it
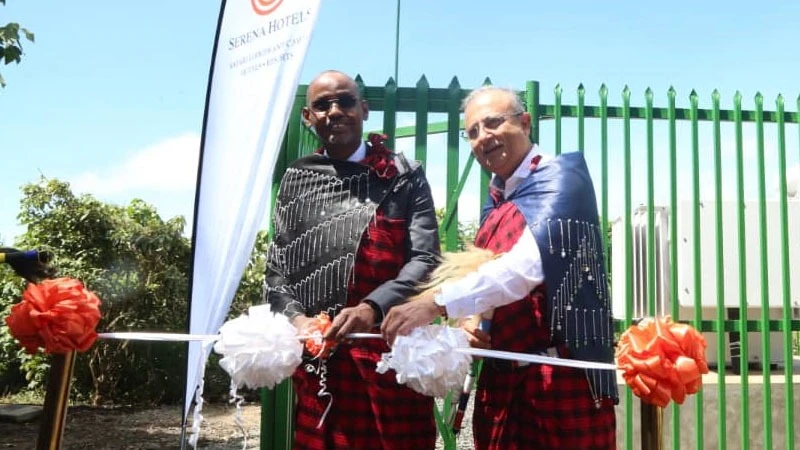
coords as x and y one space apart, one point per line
536 406
369 410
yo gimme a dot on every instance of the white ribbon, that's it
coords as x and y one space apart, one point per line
146 336
512 356
537 359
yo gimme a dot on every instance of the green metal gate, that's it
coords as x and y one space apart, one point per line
623 146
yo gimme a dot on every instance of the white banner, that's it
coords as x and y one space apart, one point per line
258 55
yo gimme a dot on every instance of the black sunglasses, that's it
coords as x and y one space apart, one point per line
344 101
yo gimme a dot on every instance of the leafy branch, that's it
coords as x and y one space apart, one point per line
10 43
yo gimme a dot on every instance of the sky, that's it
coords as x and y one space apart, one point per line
110 96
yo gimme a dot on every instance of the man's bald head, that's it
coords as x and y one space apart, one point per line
336 111
340 77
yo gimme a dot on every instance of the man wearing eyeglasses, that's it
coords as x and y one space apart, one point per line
355 232
546 294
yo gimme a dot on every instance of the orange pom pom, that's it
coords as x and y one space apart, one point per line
60 315
662 360
316 345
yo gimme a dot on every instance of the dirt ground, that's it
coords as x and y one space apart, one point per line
157 428
146 429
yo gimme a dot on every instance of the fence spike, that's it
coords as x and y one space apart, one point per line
360 83
581 89
603 91
648 94
715 95
671 93
423 82
759 98
390 82
626 92
779 101
557 90
487 81
737 97
454 84
693 95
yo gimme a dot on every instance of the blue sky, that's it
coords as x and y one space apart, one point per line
111 95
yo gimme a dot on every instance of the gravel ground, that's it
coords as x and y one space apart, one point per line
158 428
464 439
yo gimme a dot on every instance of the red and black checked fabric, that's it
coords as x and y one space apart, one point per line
537 406
381 255
540 407
521 326
369 410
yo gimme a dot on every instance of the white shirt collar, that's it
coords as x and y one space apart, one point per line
522 172
358 155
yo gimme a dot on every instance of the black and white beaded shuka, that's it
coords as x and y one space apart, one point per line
322 210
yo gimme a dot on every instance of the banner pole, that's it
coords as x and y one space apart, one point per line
652 421
51 428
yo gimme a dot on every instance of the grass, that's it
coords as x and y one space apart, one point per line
24 398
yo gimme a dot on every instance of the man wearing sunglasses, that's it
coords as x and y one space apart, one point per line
355 232
546 294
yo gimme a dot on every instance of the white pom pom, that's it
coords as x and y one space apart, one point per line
260 349
425 361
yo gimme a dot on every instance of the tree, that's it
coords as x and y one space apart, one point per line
466 231
10 44
136 263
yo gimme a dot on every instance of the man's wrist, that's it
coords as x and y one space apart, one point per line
437 300
377 312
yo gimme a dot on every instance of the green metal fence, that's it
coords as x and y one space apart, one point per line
697 147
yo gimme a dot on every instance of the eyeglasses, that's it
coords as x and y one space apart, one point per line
344 101
488 123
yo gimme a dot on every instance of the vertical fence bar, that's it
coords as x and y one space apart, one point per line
696 255
557 91
785 274
652 416
744 367
284 415
762 228
453 123
390 112
673 237
720 271
421 121
604 170
283 431
532 103
308 141
581 98
485 175
626 119
651 229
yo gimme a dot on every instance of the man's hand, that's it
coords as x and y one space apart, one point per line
356 319
477 338
301 322
404 318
